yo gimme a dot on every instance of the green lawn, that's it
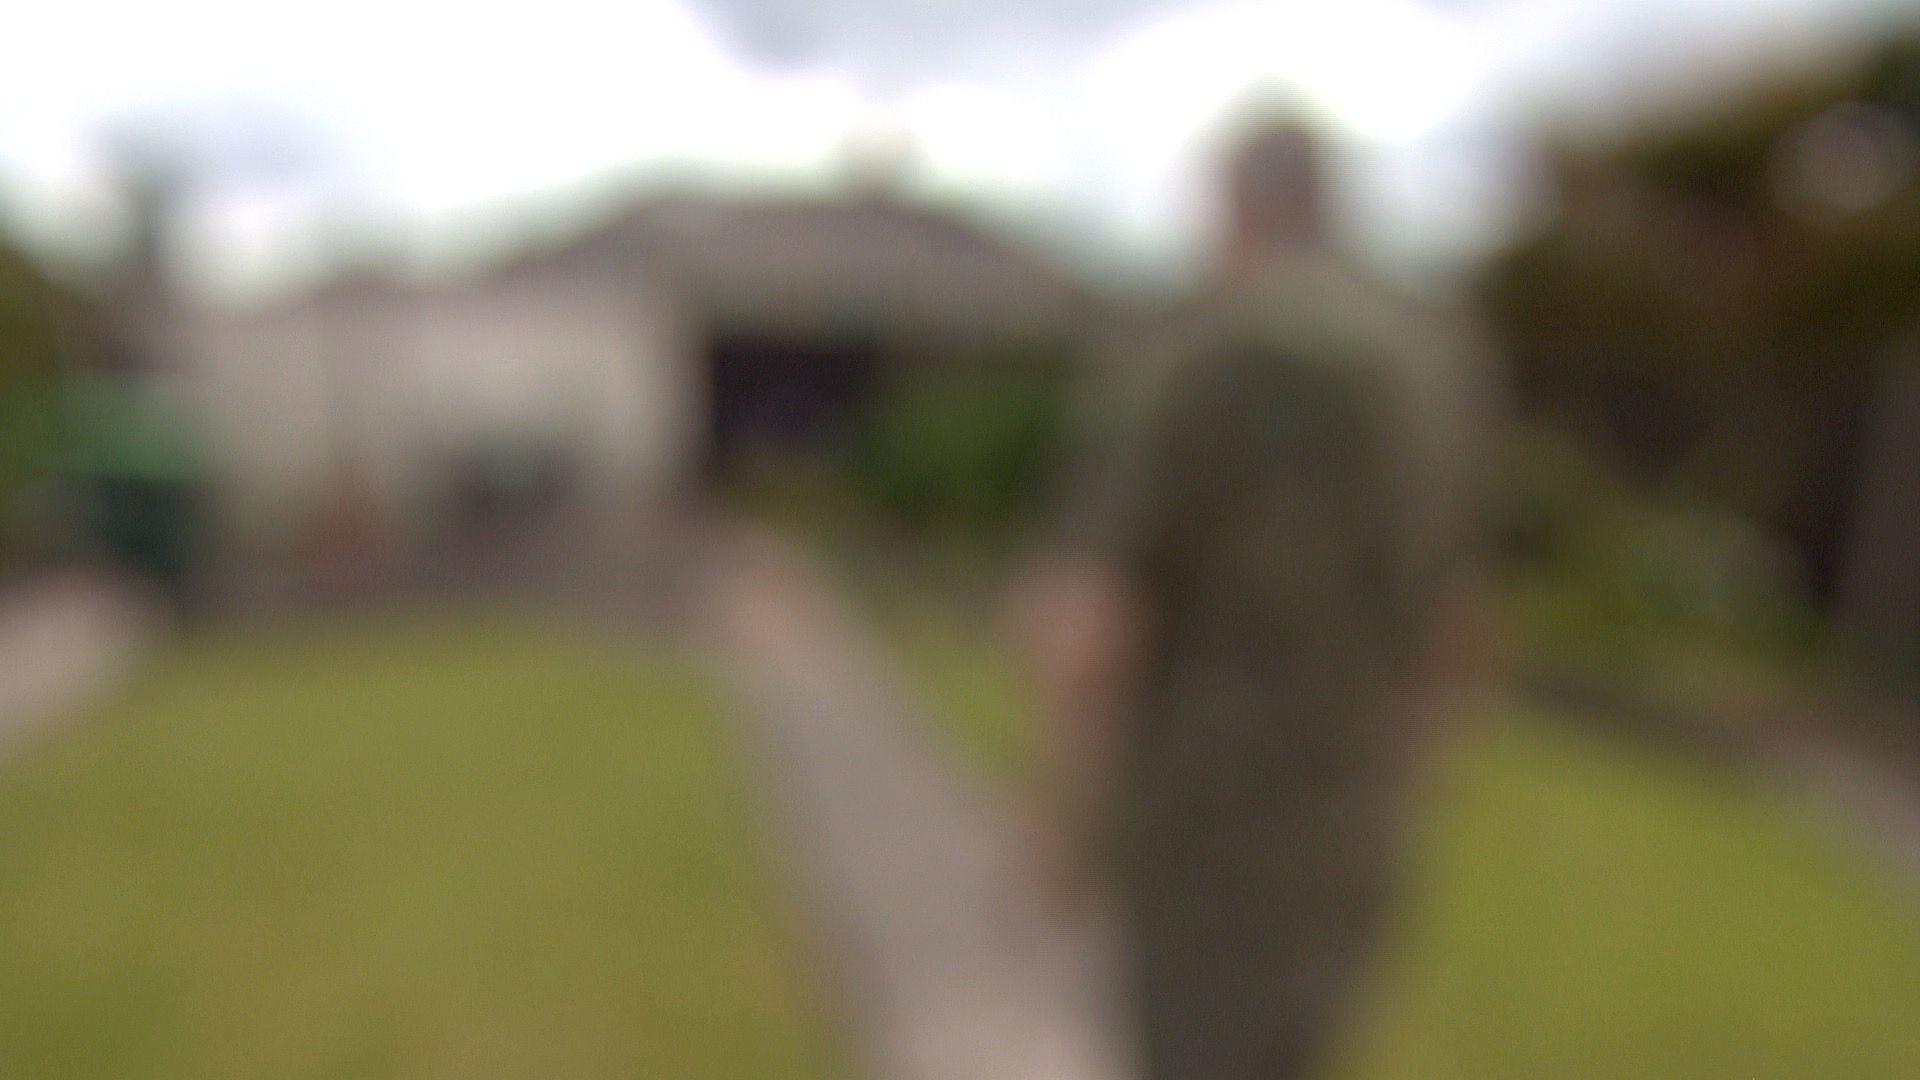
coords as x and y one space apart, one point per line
1587 908
1581 907
983 702
440 847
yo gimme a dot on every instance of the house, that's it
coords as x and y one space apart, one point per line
620 366
792 313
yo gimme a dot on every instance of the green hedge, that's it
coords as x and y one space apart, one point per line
1614 582
964 448
29 391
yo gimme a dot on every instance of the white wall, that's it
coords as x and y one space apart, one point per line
590 364
399 381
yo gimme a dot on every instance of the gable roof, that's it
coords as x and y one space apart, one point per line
816 263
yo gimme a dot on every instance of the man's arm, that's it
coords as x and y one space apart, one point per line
1080 621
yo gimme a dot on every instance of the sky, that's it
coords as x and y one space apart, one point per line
419 125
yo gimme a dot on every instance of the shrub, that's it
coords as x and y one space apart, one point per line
29 392
963 448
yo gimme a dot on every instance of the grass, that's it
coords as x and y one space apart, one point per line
1587 908
1581 907
983 702
442 847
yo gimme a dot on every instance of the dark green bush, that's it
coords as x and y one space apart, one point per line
29 391
1611 581
962 448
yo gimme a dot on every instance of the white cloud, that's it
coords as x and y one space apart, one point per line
431 110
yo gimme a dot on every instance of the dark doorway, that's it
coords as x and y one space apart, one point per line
775 396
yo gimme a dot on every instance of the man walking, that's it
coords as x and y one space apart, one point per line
1267 555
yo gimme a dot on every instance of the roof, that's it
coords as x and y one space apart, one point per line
875 261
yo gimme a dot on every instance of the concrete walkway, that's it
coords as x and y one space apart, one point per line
66 641
948 963
1876 805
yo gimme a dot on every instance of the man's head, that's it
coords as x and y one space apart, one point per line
1277 189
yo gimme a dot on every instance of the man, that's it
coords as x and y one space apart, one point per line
1270 553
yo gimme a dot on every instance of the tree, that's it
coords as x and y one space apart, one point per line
1715 297
30 351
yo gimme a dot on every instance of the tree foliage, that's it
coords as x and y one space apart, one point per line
30 349
1714 296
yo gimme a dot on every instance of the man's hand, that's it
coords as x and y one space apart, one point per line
1079 626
